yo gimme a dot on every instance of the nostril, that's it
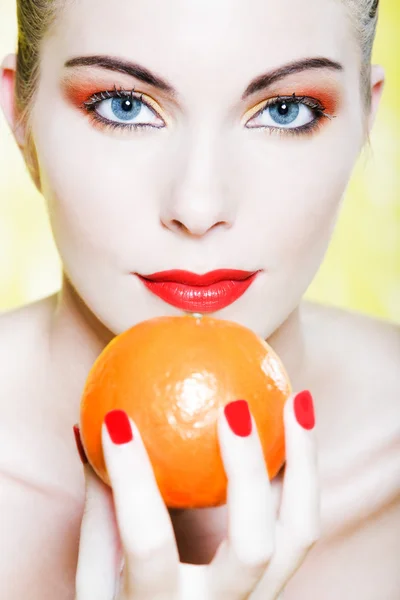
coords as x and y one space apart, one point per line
198 226
177 224
173 225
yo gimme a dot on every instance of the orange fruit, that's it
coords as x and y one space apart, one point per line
172 375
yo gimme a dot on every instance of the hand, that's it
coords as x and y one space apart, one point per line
131 522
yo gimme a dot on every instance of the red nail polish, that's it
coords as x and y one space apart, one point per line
238 416
119 428
304 409
79 445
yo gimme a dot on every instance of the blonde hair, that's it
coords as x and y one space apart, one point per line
36 18
364 16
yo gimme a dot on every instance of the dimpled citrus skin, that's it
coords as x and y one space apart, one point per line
172 375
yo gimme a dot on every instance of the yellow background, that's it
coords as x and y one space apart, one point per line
362 267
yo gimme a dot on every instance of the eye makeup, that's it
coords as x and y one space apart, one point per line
322 99
86 93
328 98
79 92
285 102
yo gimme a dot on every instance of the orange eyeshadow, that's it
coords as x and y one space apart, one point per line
79 90
328 97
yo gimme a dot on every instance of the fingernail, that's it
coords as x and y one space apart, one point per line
118 426
79 445
304 409
238 416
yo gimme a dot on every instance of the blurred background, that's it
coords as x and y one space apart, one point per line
362 267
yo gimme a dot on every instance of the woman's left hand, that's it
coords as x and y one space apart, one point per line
262 551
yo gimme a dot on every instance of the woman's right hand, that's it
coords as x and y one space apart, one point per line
129 525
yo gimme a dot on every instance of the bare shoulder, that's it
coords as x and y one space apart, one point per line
356 360
22 336
23 377
362 346
25 319
39 497
356 378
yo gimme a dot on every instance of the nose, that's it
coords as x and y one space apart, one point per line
198 200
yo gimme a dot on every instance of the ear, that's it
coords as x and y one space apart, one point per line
8 70
377 85
7 97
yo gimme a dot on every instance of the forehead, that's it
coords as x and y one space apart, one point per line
207 41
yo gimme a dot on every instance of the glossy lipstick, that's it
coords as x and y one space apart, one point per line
199 293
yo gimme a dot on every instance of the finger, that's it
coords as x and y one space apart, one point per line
243 557
299 523
99 553
193 582
147 535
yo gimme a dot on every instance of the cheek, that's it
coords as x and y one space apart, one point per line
99 192
294 189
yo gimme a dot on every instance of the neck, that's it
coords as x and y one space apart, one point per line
77 338
288 341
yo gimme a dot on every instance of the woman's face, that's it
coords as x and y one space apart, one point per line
217 180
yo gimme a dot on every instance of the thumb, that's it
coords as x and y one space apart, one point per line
100 555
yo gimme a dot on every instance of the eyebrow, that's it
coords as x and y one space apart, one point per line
267 79
259 83
123 66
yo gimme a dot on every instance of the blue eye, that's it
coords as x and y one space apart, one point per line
125 108
288 113
128 109
284 113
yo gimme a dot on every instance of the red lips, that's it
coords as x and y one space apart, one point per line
199 293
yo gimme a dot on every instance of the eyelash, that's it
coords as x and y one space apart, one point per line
309 128
90 105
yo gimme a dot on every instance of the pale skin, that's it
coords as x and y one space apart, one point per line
201 193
